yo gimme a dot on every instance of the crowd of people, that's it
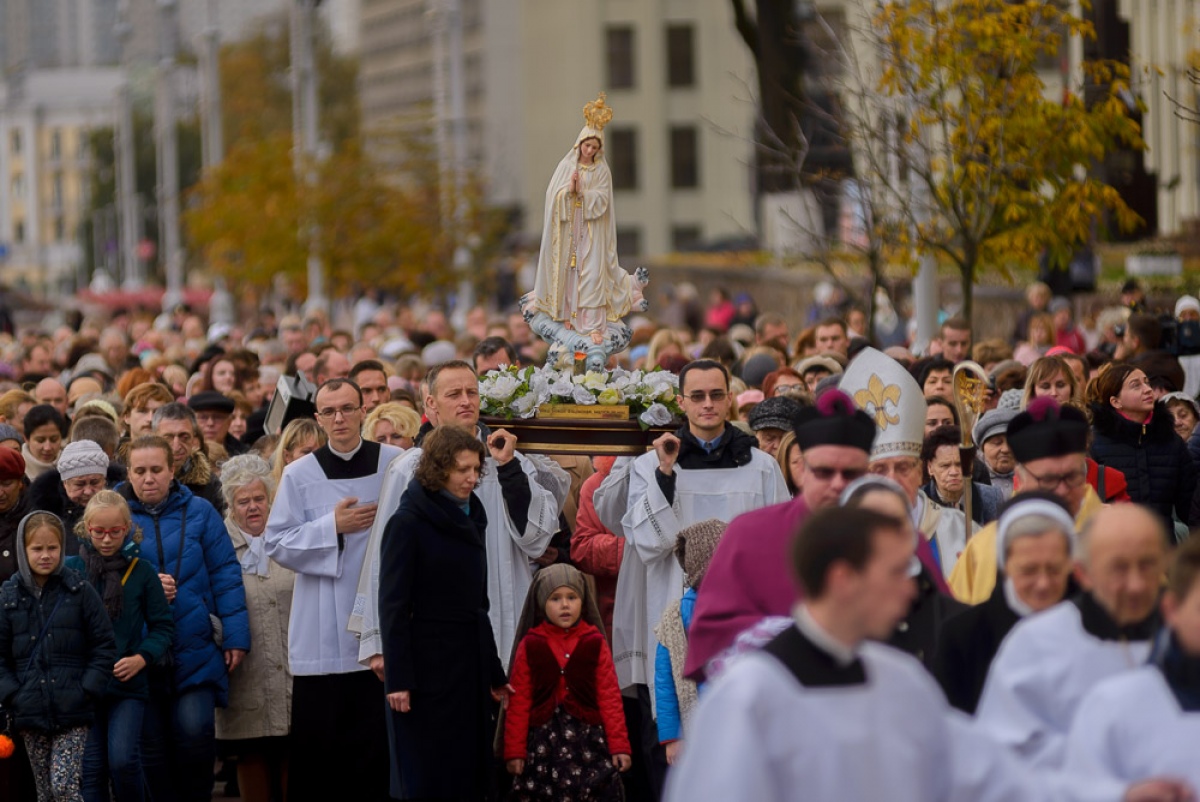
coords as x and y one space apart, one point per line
809 586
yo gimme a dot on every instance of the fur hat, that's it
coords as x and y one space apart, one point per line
775 413
82 458
834 421
694 548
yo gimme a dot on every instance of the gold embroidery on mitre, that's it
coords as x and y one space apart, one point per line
597 113
874 401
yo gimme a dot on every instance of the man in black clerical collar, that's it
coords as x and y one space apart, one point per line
707 440
1123 555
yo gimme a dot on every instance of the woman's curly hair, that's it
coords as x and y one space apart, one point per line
439 455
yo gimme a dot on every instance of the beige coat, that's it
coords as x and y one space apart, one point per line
260 690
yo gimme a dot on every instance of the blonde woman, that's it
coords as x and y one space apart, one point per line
301 436
392 423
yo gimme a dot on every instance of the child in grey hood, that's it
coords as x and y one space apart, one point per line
56 656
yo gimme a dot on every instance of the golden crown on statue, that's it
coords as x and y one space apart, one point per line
598 113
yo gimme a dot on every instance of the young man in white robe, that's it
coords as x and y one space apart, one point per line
1146 722
325 505
707 469
1050 661
825 714
522 497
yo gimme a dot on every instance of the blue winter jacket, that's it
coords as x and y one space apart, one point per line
670 726
208 579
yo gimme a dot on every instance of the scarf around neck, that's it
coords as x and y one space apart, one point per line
107 573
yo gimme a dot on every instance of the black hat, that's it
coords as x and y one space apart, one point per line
210 401
1045 429
834 421
775 413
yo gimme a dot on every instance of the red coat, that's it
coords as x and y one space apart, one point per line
594 549
569 667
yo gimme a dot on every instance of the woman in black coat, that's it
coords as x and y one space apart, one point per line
1137 437
443 674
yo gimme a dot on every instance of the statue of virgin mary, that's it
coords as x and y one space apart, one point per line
579 283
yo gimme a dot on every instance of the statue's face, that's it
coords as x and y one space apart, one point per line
588 149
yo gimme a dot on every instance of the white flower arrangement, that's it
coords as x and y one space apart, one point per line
509 392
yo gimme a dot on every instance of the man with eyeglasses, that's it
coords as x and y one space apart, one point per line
323 510
748 578
707 469
176 423
1049 444
522 495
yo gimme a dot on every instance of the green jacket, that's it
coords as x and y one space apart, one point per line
145 626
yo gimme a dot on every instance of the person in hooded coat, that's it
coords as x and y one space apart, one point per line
56 656
442 670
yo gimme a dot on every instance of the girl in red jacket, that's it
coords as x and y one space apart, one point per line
564 730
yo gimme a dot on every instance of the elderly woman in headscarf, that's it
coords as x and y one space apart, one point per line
255 725
1035 543
918 633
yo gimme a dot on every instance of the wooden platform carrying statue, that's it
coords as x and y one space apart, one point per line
581 292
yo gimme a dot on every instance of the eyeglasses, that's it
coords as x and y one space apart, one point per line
105 534
698 396
824 474
332 413
787 388
1051 481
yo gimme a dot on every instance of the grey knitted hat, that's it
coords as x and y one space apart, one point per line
10 432
82 458
694 548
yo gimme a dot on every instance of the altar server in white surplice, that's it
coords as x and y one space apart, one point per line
824 713
521 495
1051 660
707 469
1147 722
318 527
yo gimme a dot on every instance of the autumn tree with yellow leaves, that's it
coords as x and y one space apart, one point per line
960 150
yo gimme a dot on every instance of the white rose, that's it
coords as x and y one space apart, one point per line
583 395
595 381
656 415
502 387
526 406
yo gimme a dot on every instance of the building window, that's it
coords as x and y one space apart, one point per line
619 43
685 169
19 231
681 57
18 185
622 157
56 144
629 242
57 192
685 238
16 143
60 230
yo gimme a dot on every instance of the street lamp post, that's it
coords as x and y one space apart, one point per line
167 140
306 146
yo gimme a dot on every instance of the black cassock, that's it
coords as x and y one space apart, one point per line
968 644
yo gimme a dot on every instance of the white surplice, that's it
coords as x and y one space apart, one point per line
651 577
1131 728
509 552
758 734
1044 667
301 535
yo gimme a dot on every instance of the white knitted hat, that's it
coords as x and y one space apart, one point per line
82 458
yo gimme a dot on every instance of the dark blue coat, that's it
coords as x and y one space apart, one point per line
52 684
208 580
